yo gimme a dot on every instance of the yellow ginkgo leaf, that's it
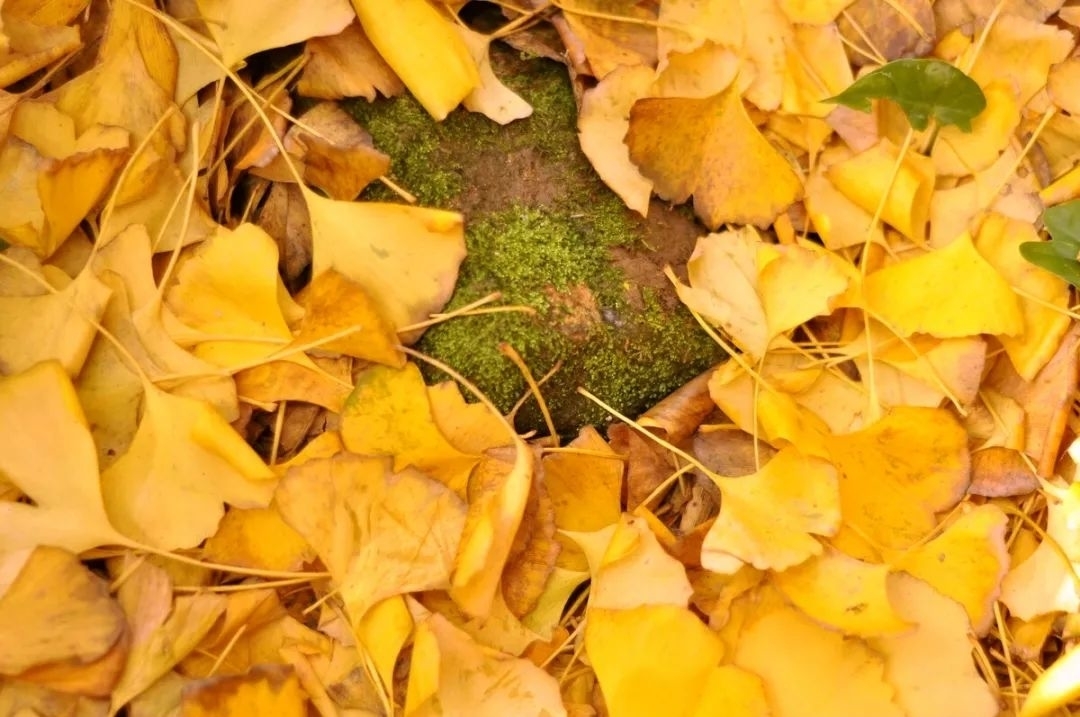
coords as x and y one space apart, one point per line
959 153
1054 688
470 427
827 676
424 49
767 519
842 592
967 563
1022 50
230 23
498 494
865 177
897 474
52 325
405 257
257 538
797 283
490 97
388 414
332 302
157 619
74 620
931 666
228 290
47 452
263 689
723 287
379 533
653 660
602 124
813 12
633 569
184 462
710 148
998 241
451 673
948 292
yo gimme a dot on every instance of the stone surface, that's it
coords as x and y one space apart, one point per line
544 230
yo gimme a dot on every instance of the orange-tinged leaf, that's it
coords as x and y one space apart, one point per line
844 593
710 148
865 177
264 689
452 674
899 472
346 65
47 452
931 666
998 241
53 611
406 258
653 660
966 563
499 493
184 462
827 676
948 292
333 303
767 519
424 49
241 30
379 533
389 414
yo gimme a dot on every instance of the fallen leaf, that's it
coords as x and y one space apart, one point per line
406 258
452 674
388 413
710 148
390 533
264 688
921 295
424 50
62 613
898 473
257 538
183 463
346 65
844 593
966 563
46 450
767 518
931 666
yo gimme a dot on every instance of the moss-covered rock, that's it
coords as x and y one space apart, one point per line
544 230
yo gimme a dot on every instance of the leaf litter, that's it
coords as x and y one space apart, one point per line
869 509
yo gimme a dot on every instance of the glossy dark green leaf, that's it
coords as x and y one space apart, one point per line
1059 255
923 88
1045 256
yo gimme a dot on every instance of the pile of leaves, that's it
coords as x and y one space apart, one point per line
226 489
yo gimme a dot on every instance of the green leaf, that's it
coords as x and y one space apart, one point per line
923 88
1059 255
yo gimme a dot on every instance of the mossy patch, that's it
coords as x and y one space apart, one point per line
545 231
